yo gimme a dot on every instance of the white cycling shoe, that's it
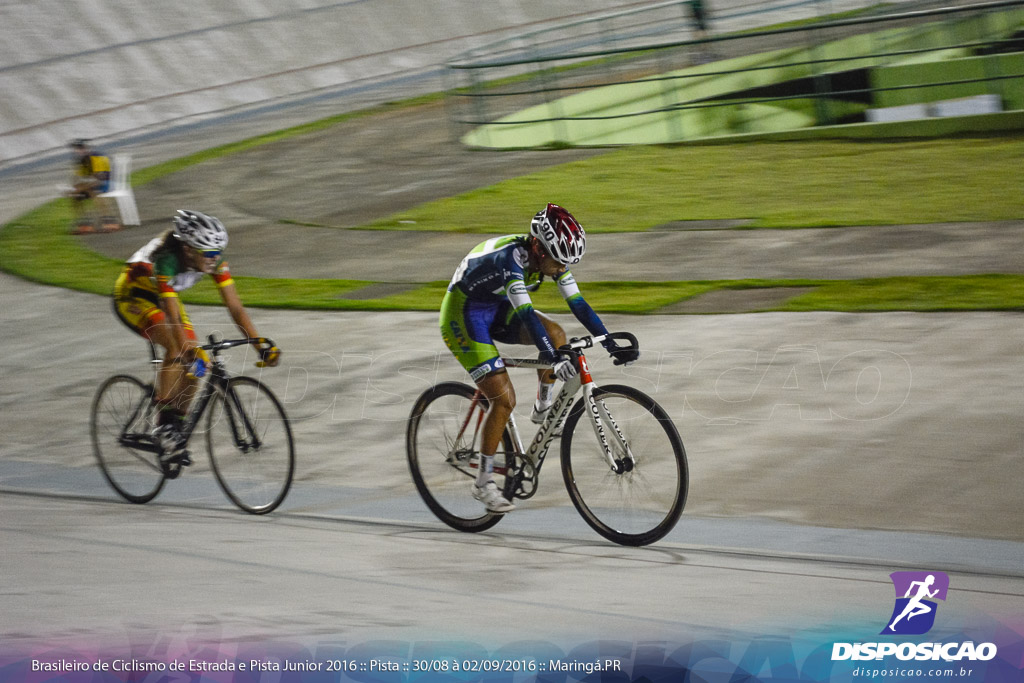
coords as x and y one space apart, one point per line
491 497
540 412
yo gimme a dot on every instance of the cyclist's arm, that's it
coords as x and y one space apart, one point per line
268 355
238 313
171 306
518 296
228 293
577 304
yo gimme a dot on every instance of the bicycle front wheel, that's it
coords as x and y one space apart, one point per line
443 456
122 418
641 500
250 445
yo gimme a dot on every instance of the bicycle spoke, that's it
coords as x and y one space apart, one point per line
639 501
250 445
442 456
122 414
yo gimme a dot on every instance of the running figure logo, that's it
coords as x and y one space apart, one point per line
915 608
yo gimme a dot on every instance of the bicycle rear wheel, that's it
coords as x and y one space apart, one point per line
250 445
441 447
122 419
642 503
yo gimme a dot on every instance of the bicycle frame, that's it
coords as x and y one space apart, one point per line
559 411
217 378
632 493
246 434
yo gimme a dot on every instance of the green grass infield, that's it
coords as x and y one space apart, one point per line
771 185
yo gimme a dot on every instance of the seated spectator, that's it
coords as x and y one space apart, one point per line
91 179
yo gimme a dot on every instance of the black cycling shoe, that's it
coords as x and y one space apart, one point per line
181 457
174 455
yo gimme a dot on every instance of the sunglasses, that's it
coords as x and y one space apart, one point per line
209 253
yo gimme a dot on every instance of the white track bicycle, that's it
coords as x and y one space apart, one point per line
624 465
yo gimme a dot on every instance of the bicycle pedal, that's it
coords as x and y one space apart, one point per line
182 459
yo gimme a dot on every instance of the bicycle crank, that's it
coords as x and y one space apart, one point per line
524 477
172 465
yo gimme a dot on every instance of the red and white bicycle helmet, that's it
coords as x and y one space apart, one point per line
561 234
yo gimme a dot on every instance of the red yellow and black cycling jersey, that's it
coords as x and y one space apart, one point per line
155 272
163 263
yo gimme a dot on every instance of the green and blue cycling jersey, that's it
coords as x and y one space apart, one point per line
488 300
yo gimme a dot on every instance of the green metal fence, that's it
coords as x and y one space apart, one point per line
619 80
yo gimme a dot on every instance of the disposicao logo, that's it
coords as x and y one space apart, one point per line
916 592
912 615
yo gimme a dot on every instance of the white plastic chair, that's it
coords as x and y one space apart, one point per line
121 189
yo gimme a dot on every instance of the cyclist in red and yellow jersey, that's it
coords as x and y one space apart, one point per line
146 300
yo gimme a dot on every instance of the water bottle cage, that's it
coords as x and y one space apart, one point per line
195 368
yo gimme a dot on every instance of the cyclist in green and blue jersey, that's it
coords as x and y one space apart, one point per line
488 300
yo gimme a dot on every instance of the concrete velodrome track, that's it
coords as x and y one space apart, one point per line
804 496
826 450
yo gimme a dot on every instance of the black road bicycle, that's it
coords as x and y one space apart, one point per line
248 437
623 464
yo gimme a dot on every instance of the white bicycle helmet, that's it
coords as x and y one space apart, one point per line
561 234
200 231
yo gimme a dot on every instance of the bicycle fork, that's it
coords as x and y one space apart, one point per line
600 416
241 423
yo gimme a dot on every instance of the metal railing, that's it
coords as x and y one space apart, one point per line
543 68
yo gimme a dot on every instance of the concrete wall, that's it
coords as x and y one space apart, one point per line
100 68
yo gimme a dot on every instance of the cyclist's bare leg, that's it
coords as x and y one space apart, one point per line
174 387
82 200
545 377
501 396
